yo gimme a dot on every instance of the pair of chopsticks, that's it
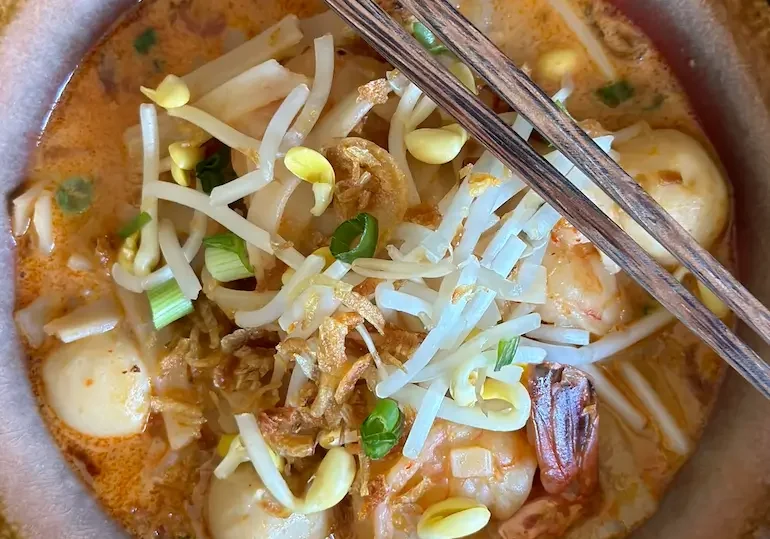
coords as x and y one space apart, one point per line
512 85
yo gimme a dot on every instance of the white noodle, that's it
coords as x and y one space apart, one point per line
426 415
296 383
43 221
559 335
268 151
512 225
449 410
23 206
388 269
430 345
401 302
31 319
125 279
175 258
148 254
586 37
273 310
251 90
609 394
95 318
192 245
420 113
218 129
264 46
510 254
617 341
483 341
191 198
676 439
396 144
540 225
259 454
319 95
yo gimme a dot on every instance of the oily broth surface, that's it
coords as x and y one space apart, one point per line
84 137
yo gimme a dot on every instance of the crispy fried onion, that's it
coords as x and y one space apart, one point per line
359 369
565 425
399 343
362 306
367 180
549 516
241 337
291 432
184 406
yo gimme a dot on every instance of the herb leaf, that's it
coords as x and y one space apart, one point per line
134 225
506 350
231 243
427 39
74 195
616 93
215 170
145 41
382 429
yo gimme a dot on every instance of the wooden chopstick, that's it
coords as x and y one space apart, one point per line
518 90
398 47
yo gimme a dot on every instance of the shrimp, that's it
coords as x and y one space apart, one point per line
494 468
679 174
580 291
565 426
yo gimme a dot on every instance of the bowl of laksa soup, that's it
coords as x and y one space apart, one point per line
266 287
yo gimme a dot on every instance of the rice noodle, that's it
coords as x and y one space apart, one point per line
511 253
540 225
505 421
512 225
177 262
31 319
396 144
43 221
592 45
559 335
296 382
148 254
609 394
268 44
23 205
253 89
268 151
556 353
259 454
319 95
478 217
420 112
95 318
426 415
192 245
483 341
218 129
448 319
191 198
399 301
388 269
614 342
676 439
125 279
312 265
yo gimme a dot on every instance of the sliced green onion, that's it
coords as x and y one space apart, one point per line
616 93
225 266
232 243
135 225
427 39
74 195
363 225
168 304
215 170
382 429
144 41
506 350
